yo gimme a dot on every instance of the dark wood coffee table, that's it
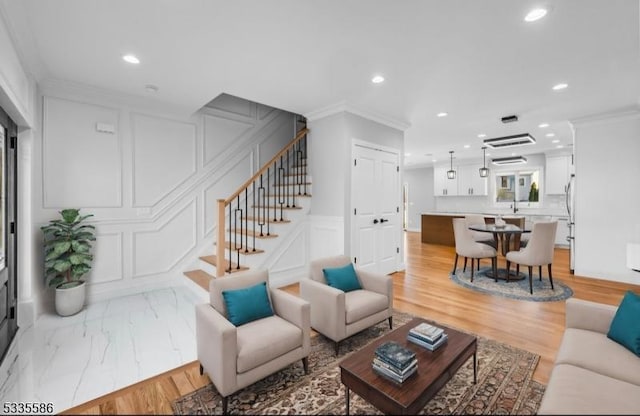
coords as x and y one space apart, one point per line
434 370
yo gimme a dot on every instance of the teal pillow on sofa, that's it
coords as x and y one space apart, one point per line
247 304
625 327
343 278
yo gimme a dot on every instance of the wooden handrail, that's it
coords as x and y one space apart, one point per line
295 140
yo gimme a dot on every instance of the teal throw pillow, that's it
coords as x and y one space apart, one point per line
625 327
343 278
247 304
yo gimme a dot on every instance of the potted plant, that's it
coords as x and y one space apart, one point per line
67 251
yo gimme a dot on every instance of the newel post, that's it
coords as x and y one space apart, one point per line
220 260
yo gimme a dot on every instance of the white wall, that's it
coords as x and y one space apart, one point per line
330 165
607 199
420 192
151 183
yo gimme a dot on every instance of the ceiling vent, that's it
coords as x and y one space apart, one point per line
509 119
510 141
511 160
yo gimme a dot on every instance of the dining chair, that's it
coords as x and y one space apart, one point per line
467 247
538 252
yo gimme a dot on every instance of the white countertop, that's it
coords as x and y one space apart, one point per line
523 213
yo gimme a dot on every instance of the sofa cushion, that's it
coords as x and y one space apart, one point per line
264 340
343 278
594 351
625 327
574 390
247 304
362 303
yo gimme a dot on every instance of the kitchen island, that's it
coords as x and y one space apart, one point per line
437 227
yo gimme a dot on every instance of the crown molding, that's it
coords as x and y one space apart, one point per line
345 107
622 114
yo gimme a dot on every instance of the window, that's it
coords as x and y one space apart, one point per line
522 186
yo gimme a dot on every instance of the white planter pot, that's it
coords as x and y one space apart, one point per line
70 301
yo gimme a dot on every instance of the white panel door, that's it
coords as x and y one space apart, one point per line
376 201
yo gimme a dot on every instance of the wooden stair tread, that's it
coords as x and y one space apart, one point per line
199 277
271 220
251 251
272 207
212 259
252 233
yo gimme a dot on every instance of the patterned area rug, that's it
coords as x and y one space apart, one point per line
504 384
518 289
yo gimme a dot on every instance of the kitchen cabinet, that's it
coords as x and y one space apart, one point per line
443 186
470 182
467 181
557 173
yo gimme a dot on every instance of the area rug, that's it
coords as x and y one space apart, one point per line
514 289
504 384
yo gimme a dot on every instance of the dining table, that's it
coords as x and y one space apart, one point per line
506 238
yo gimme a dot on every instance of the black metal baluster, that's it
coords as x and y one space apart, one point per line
253 194
230 239
238 248
267 199
246 219
304 153
280 173
261 207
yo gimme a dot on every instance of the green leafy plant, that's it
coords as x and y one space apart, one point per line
533 192
67 248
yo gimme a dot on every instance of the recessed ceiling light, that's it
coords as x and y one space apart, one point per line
434 160
377 79
559 146
132 59
466 146
550 134
150 88
513 154
560 86
543 125
407 154
442 114
535 14
482 135
555 141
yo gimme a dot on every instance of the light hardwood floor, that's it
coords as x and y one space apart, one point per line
423 289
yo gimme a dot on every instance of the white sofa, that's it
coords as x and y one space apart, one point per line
592 374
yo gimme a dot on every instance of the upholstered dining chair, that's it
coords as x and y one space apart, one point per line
249 331
467 247
344 300
538 252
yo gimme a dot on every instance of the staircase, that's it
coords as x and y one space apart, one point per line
252 219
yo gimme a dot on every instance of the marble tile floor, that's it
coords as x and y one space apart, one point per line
109 345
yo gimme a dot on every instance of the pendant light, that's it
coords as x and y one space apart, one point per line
451 174
484 171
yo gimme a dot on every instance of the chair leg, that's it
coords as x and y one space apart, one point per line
530 281
550 277
225 404
540 273
472 260
517 269
494 267
478 264
464 269
201 370
305 365
455 264
336 346
508 269
391 322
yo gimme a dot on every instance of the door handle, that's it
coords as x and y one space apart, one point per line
375 221
383 220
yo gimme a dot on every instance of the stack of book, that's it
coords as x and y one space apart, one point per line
428 336
394 362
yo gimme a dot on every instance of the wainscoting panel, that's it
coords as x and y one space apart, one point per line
81 162
160 250
164 157
220 133
326 236
108 256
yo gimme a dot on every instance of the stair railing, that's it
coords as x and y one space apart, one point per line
233 212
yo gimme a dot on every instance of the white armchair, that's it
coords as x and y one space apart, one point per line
337 314
235 357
